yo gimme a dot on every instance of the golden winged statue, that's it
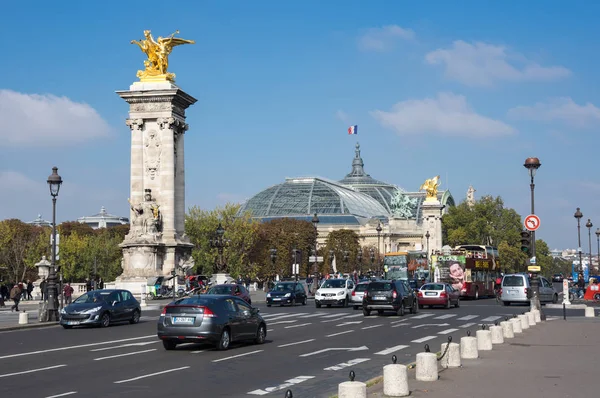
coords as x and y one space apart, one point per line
430 186
158 52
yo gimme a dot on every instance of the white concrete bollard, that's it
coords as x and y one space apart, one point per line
143 298
524 321
537 316
530 318
452 357
507 329
352 389
516 323
497 334
468 348
589 312
23 318
484 340
395 381
427 367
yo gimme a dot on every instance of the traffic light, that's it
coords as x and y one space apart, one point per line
525 241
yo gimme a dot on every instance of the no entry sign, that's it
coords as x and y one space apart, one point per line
532 222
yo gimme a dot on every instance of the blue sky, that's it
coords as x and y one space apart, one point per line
466 90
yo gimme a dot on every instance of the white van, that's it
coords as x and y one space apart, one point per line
515 288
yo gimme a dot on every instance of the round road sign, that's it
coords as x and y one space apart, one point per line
532 222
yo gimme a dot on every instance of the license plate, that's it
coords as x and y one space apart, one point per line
276 299
380 298
430 294
73 323
183 320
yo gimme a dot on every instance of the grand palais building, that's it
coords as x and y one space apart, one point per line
360 203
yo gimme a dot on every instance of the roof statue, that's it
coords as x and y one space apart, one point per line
158 52
471 196
402 205
431 188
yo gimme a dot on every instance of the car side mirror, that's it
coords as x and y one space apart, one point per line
113 303
247 313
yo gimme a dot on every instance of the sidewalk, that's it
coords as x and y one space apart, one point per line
555 359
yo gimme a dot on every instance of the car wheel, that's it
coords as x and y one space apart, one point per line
305 301
476 294
261 334
555 299
105 320
366 312
169 345
224 340
268 305
355 307
293 303
401 310
413 309
135 318
318 305
345 303
457 303
67 326
448 304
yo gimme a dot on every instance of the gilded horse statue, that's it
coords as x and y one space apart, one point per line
158 52
430 186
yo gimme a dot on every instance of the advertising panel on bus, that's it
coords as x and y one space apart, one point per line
395 266
451 269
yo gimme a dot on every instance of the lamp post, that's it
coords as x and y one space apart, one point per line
331 258
54 182
598 239
315 222
589 226
359 257
219 243
372 254
346 257
427 236
378 229
296 264
532 164
578 215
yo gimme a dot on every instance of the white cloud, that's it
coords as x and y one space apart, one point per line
447 114
563 110
482 64
382 39
36 120
343 116
19 182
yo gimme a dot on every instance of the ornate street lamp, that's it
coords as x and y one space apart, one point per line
578 215
598 239
359 258
295 258
427 236
532 164
372 255
219 243
54 182
315 222
589 226
346 255
273 253
378 229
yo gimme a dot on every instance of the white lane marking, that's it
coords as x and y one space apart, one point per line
401 320
391 350
63 394
274 314
151 374
270 330
490 318
297 326
447 331
237 356
422 316
337 334
362 348
124 355
425 325
313 315
445 316
286 384
353 316
76 346
371 327
401 324
197 352
32 371
278 318
350 323
423 339
466 325
467 318
332 316
351 362
296 343
280 322
125 345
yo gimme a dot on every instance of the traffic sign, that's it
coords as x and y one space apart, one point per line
532 222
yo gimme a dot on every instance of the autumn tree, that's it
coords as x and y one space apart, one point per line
21 246
339 243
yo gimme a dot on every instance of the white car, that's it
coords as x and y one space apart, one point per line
334 292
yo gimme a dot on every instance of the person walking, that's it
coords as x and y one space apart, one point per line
29 289
43 284
68 293
15 295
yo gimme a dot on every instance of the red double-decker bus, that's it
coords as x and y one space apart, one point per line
470 269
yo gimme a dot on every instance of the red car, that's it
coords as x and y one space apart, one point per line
438 294
231 289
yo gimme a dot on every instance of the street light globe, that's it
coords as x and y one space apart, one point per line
598 232
532 164
578 214
54 182
589 224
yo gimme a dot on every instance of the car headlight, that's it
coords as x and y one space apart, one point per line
268 295
62 311
287 295
341 293
91 310
318 293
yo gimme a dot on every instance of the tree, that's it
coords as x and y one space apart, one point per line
66 228
338 242
20 245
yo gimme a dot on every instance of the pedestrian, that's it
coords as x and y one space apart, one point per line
44 289
100 284
68 293
580 286
29 290
15 295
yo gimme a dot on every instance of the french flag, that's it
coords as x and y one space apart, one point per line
353 130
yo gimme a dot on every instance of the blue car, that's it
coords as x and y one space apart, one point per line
101 308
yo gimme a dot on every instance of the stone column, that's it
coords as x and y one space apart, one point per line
137 161
432 222
167 177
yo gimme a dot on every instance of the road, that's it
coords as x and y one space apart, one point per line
308 350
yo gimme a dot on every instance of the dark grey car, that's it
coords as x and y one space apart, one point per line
214 319
101 308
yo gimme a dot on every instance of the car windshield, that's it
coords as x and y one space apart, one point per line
97 296
283 287
221 290
513 280
433 286
334 283
380 286
361 287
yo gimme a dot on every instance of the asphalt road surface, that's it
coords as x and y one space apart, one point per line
308 350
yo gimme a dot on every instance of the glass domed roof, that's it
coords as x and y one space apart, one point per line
302 197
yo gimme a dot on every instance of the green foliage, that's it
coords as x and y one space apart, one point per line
338 242
20 249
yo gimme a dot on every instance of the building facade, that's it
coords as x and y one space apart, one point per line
103 220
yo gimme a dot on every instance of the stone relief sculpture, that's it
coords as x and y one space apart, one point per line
152 152
146 220
402 205
430 186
